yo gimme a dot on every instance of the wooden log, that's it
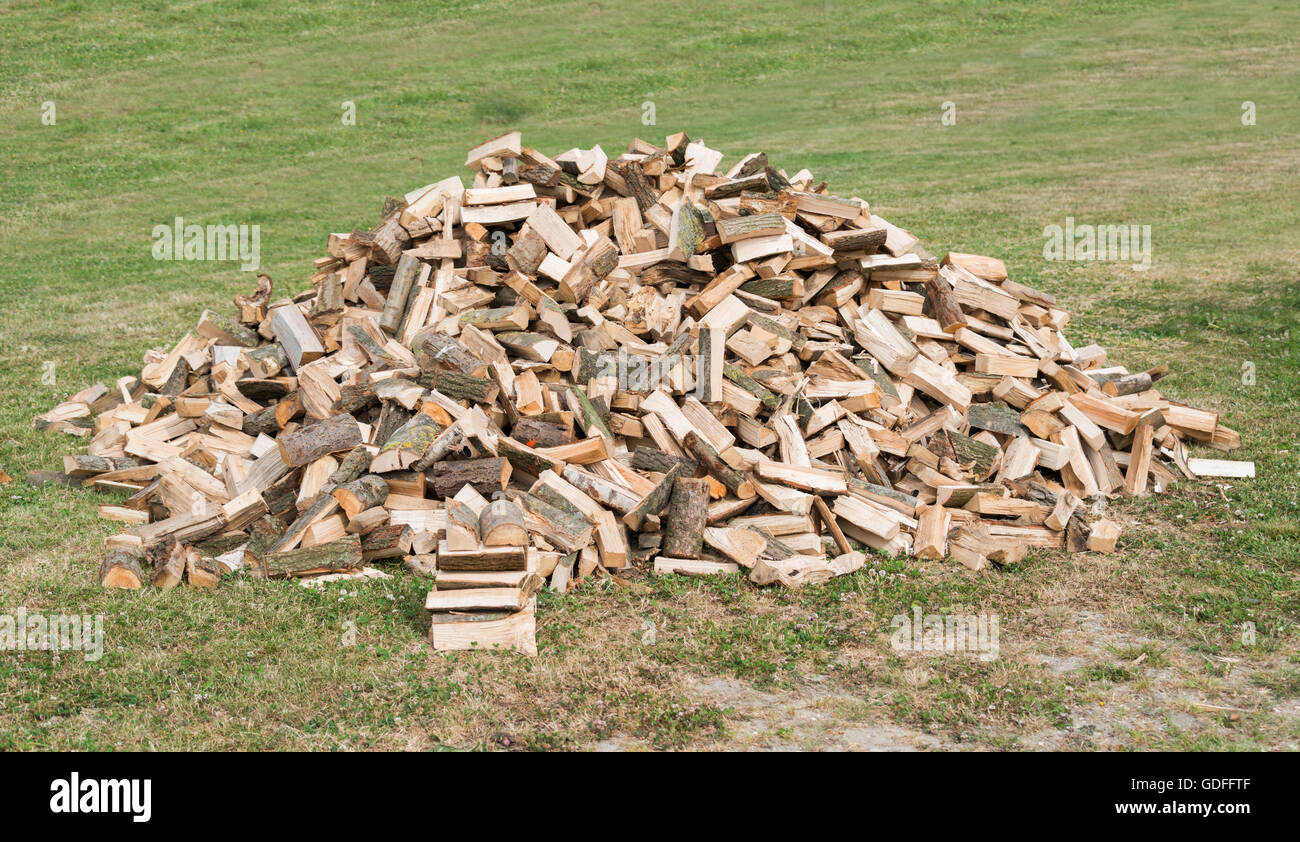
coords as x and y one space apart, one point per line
537 431
408 267
693 567
482 558
462 526
502 525
944 305
486 475
121 569
477 599
389 541
734 480
298 338
654 502
169 570
312 441
405 447
361 494
687 513
485 631
202 573
335 557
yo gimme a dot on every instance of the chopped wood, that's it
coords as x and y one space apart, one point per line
760 371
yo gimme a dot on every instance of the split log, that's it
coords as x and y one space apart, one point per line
361 494
687 513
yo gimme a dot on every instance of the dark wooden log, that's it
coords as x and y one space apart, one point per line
687 514
262 389
527 253
651 459
535 432
638 184
867 241
943 303
384 542
483 558
487 475
453 384
312 441
262 421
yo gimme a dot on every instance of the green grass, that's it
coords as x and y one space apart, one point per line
229 112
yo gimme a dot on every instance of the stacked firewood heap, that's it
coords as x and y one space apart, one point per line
575 365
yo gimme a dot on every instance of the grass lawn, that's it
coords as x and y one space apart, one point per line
1108 112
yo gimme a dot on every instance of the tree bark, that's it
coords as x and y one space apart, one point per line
487 475
687 511
341 555
312 441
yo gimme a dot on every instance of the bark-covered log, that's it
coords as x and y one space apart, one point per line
408 267
526 459
734 480
654 502
169 569
449 441
687 513
737 375
334 557
361 494
262 422
121 569
384 542
535 432
555 520
650 459
453 384
487 475
436 351
944 304
406 445
312 441
502 525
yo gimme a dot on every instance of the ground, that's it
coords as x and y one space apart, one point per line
1177 115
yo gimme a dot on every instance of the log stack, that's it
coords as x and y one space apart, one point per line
555 369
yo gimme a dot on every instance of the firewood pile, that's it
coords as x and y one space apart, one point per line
578 367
